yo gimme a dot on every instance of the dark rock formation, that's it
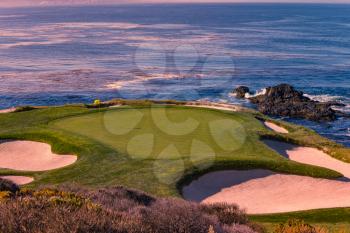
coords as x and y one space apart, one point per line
284 100
241 91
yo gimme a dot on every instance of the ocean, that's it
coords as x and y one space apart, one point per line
58 55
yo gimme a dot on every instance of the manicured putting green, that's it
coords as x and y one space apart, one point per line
151 148
168 132
160 145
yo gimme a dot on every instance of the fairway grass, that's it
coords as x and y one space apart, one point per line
153 148
158 148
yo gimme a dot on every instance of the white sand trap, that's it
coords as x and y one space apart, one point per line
275 127
308 155
319 158
31 156
277 193
213 105
285 193
19 180
7 110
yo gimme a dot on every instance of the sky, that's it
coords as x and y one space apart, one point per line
15 3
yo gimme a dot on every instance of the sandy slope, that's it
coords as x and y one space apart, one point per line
275 127
31 156
310 156
319 158
284 193
20 180
217 106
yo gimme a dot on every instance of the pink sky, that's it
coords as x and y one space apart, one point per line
11 3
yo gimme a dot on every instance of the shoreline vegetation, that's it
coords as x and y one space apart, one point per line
40 124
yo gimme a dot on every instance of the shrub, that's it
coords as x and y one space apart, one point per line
238 229
119 198
6 185
4 195
295 226
111 210
40 216
177 216
226 213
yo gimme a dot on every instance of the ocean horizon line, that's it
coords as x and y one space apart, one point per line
177 3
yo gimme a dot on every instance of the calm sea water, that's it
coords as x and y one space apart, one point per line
66 55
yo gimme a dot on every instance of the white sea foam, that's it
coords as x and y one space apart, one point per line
324 98
11 16
141 79
345 109
257 93
331 98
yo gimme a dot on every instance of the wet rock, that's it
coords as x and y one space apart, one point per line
241 91
283 100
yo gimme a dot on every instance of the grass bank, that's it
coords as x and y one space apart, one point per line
153 148
336 219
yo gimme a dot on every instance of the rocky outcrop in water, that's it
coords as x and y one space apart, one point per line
241 91
283 100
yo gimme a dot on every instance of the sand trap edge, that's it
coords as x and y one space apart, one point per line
8 110
274 127
19 180
32 156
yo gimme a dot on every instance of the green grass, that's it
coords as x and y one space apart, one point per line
157 148
153 149
333 219
336 215
115 145
145 133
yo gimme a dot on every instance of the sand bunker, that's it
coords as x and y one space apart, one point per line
31 156
217 106
275 127
285 193
7 110
20 180
310 156
267 192
213 182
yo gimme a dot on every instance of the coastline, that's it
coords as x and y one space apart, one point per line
8 110
72 114
273 156
338 130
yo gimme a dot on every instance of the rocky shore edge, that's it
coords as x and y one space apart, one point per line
285 101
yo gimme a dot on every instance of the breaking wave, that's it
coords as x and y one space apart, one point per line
332 98
257 93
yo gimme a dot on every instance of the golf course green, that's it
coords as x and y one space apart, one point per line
152 148
157 148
